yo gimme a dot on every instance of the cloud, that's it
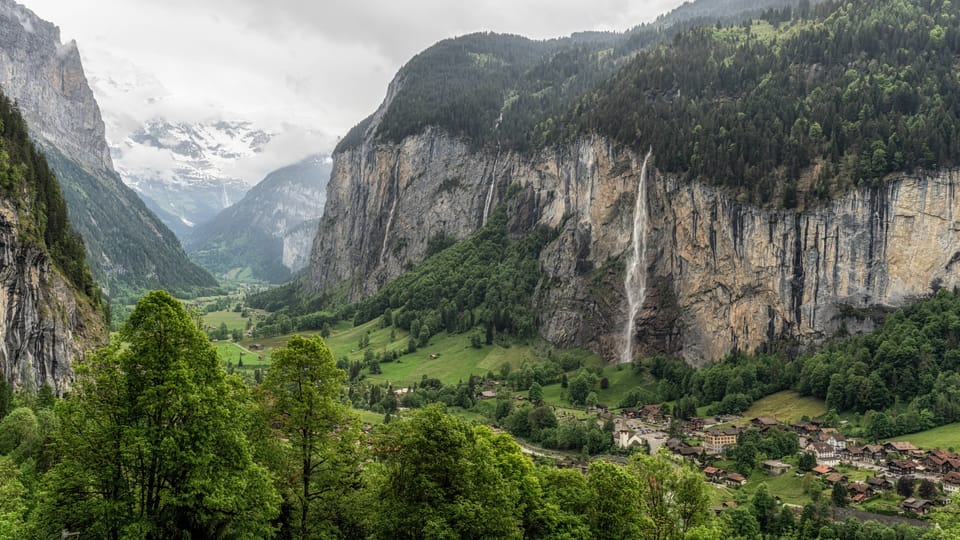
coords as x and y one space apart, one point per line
313 68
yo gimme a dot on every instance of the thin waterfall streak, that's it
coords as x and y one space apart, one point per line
635 279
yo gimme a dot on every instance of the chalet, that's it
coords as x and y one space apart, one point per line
880 483
718 439
823 470
736 479
901 467
951 482
874 452
652 413
776 467
714 474
488 394
764 423
900 447
935 464
805 429
823 451
602 408
953 464
836 478
256 347
916 506
862 489
695 424
852 454
690 452
943 454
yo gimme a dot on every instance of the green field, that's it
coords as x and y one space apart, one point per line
457 360
622 380
786 406
946 437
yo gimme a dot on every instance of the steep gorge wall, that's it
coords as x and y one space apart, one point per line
722 274
44 325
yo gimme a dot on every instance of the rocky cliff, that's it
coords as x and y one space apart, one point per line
129 249
722 274
44 325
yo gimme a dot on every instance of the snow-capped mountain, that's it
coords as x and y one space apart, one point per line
187 172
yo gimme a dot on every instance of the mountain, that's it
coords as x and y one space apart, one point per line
801 176
267 235
182 171
128 248
50 308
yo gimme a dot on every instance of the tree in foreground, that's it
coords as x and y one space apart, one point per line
153 440
438 477
302 395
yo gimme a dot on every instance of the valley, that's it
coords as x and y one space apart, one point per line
693 279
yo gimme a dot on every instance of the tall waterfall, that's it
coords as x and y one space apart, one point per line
635 279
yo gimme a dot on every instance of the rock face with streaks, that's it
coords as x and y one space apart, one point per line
721 274
45 325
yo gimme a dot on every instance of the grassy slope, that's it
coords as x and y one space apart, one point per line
945 437
786 406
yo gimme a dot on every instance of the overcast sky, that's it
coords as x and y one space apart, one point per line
307 68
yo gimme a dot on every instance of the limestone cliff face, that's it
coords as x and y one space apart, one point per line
721 274
44 325
47 80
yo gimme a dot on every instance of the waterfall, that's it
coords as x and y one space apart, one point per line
635 279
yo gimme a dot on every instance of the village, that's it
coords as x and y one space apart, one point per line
705 441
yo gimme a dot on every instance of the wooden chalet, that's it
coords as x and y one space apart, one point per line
917 506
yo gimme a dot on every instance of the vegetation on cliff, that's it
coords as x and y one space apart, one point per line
27 183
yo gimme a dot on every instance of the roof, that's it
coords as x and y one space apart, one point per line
766 420
736 477
952 477
776 464
821 447
873 448
711 470
822 469
833 478
902 446
877 480
915 503
858 487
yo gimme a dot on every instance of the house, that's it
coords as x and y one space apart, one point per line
718 439
652 413
690 452
836 478
935 464
852 453
880 483
834 439
695 424
764 423
736 479
874 452
488 394
900 447
776 467
714 474
951 482
823 451
822 470
861 488
902 466
916 505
